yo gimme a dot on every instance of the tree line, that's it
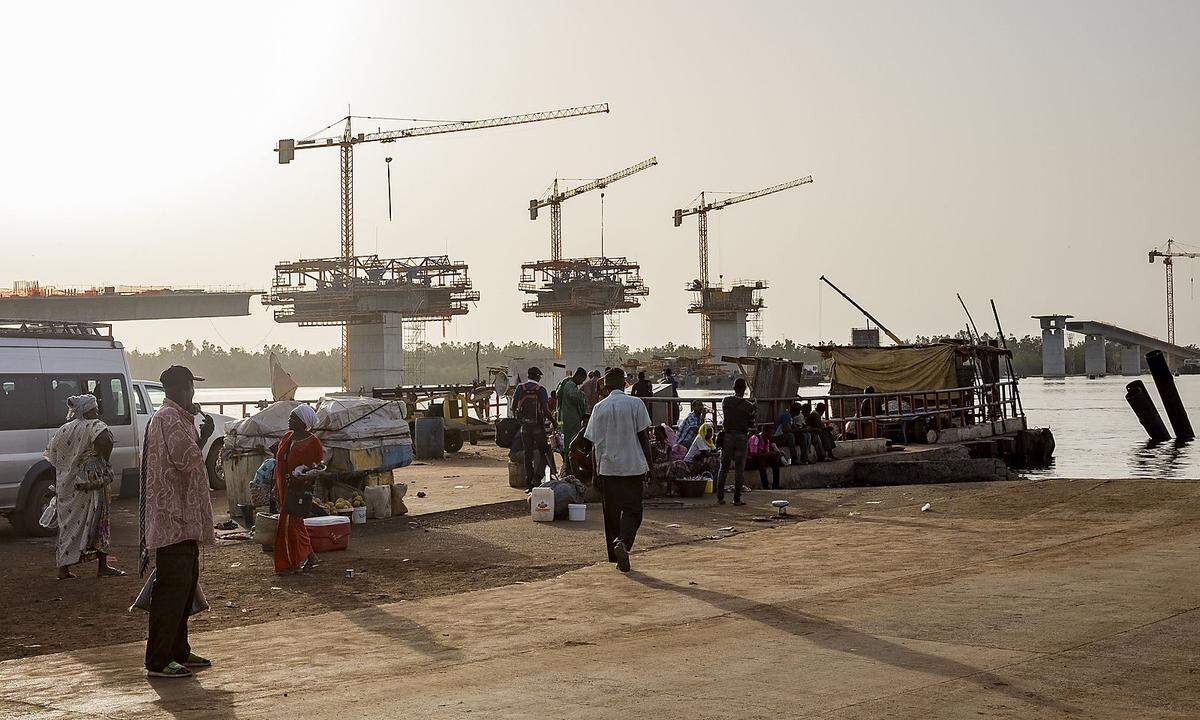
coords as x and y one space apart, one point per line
455 362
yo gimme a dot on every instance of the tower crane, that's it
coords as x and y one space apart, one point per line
702 211
555 199
286 150
1168 257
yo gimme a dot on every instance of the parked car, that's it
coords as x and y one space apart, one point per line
148 396
41 365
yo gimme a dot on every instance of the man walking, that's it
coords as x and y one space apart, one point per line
620 432
176 518
738 415
532 404
572 406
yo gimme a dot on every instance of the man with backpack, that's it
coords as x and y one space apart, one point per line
531 405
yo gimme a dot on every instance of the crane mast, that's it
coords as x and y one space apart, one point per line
1168 257
286 150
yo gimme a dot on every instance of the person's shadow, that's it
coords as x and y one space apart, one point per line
188 699
828 634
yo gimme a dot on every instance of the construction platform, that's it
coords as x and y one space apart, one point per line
582 294
374 296
731 315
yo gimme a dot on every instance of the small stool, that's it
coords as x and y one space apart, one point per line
780 507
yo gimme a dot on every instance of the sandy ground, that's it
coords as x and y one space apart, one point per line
470 531
1017 599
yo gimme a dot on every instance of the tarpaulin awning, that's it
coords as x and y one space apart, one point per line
899 369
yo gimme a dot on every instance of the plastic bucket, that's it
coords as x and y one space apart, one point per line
577 512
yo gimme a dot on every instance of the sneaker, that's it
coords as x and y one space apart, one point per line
622 556
195 661
172 670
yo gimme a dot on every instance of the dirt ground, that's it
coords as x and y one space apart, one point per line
450 543
1016 599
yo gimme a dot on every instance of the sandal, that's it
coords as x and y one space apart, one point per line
172 670
110 571
195 661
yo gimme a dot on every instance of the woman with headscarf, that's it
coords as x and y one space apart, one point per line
702 454
299 448
79 452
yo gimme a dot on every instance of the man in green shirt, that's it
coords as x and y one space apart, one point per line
571 408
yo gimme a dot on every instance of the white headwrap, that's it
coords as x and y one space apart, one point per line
307 415
80 405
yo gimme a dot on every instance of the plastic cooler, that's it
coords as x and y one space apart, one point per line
328 533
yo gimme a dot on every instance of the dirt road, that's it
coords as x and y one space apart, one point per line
1017 599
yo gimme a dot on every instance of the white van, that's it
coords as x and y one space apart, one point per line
41 365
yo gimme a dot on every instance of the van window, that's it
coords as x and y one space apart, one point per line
22 406
110 391
156 395
59 389
139 402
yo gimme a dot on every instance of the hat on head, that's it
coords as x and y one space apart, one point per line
535 373
177 374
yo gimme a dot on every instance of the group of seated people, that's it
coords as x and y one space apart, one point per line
693 450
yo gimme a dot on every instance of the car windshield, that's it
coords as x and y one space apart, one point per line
155 396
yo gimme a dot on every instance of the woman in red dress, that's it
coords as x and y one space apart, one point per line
299 447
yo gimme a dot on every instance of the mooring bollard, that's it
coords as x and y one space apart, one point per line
1143 406
1165 382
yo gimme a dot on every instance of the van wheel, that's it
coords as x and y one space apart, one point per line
216 470
28 520
454 440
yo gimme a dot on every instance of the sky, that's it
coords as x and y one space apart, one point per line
1031 152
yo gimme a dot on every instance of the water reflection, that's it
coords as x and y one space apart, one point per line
1159 459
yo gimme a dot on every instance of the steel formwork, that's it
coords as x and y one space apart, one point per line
361 289
594 285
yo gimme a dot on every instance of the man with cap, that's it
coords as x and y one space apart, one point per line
531 405
176 511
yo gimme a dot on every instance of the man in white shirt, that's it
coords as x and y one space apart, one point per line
620 432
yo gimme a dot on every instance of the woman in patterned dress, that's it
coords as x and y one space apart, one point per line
80 452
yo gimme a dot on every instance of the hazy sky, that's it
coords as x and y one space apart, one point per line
1032 152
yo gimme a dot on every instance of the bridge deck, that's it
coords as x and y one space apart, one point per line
112 308
1130 337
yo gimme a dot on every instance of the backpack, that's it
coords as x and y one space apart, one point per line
529 406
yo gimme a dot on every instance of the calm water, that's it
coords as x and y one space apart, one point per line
1096 433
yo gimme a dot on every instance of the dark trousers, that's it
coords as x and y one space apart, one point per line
761 463
796 443
177 569
822 442
537 454
733 453
622 509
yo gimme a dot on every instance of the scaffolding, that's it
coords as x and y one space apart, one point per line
583 286
715 302
358 291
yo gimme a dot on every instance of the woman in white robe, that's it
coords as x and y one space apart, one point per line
79 452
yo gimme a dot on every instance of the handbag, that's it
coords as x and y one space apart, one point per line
199 602
298 501
97 475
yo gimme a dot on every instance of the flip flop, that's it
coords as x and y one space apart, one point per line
110 572
172 670
195 661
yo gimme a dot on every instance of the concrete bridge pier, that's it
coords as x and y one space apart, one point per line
1131 359
1054 344
1094 362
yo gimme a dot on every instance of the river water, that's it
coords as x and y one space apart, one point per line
1096 433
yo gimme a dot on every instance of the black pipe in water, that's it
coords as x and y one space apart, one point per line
1143 406
1165 382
